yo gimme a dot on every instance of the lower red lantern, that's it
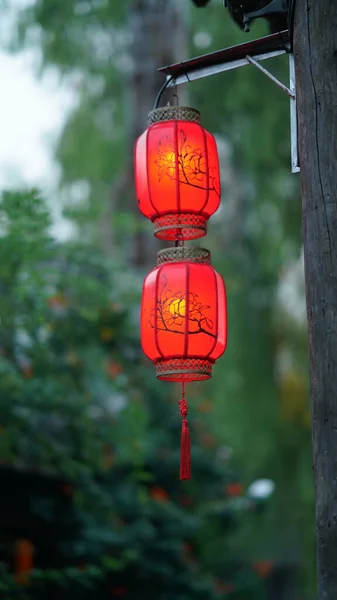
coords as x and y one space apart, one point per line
184 323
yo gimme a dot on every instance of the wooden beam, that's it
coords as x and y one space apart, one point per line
227 58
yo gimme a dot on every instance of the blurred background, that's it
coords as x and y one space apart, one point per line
91 505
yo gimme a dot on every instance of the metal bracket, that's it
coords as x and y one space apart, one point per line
291 92
283 87
250 53
295 163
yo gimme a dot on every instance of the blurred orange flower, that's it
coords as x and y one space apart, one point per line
23 560
263 568
235 489
57 301
159 494
113 368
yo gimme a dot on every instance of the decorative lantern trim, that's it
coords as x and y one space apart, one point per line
174 113
183 254
184 369
190 226
172 225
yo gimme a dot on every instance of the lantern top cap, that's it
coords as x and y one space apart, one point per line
183 254
174 113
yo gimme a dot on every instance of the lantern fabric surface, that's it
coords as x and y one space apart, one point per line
177 173
183 315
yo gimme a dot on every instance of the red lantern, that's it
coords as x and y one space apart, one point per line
184 323
177 173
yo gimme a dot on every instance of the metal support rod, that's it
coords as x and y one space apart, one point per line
228 58
295 167
206 71
283 87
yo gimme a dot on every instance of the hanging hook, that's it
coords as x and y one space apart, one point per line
162 90
175 95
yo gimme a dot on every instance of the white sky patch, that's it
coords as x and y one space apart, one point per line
32 113
29 113
202 39
291 292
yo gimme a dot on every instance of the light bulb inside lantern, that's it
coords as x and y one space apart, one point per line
178 307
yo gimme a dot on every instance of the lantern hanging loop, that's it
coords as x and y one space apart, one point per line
175 95
162 90
180 242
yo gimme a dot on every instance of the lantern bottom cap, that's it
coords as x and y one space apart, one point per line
175 226
184 369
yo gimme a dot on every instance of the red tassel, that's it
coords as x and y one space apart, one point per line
185 448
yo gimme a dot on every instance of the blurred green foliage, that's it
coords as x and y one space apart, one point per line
83 413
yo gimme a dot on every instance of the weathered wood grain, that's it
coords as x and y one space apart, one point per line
315 49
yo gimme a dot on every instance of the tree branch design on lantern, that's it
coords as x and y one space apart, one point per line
172 313
192 167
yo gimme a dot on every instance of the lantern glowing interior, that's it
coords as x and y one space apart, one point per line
183 315
177 174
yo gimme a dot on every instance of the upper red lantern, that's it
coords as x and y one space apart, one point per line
183 315
177 173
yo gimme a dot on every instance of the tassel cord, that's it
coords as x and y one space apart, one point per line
185 448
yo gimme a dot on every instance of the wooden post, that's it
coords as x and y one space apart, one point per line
315 51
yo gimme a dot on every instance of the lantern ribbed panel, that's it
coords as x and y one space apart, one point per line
177 174
183 318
